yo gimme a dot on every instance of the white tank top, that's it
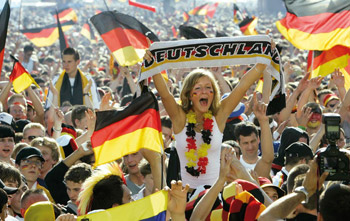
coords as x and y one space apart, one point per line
213 167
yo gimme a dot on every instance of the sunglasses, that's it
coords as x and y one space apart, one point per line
332 105
27 162
30 138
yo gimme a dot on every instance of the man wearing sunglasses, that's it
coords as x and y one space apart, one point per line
32 131
29 161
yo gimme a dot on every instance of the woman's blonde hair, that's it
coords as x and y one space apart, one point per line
188 85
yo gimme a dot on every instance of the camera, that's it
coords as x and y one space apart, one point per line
332 159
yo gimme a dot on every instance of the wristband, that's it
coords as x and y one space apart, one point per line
301 189
302 127
59 130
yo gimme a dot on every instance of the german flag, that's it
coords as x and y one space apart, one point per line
206 9
61 36
185 16
316 25
325 62
143 6
20 78
66 14
118 133
88 32
46 36
237 14
173 29
199 10
248 25
124 35
4 21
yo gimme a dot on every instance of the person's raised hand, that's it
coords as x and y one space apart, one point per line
177 197
338 78
303 83
259 109
304 117
105 104
148 55
58 116
227 154
91 121
311 181
53 89
87 87
314 83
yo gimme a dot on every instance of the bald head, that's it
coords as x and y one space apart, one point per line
30 197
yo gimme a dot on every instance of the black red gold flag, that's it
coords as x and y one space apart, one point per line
4 21
62 38
20 77
325 62
88 32
65 14
118 133
190 32
199 10
248 25
186 17
205 9
124 35
173 29
46 36
237 14
316 25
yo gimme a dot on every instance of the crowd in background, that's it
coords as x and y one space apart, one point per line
266 156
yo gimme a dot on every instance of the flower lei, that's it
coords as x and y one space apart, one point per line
193 154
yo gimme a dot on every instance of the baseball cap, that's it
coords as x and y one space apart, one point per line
27 153
298 149
8 190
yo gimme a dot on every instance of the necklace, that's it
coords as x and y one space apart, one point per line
193 154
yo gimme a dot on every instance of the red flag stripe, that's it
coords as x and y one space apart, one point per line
126 126
126 37
329 55
63 13
321 23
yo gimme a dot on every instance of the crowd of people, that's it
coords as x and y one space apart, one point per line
224 157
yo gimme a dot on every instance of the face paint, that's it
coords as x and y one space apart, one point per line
194 94
24 167
211 91
315 120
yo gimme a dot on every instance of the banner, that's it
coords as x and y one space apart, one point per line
214 52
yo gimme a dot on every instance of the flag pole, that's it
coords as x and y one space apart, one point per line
106 5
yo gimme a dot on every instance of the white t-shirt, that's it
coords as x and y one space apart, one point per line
248 166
